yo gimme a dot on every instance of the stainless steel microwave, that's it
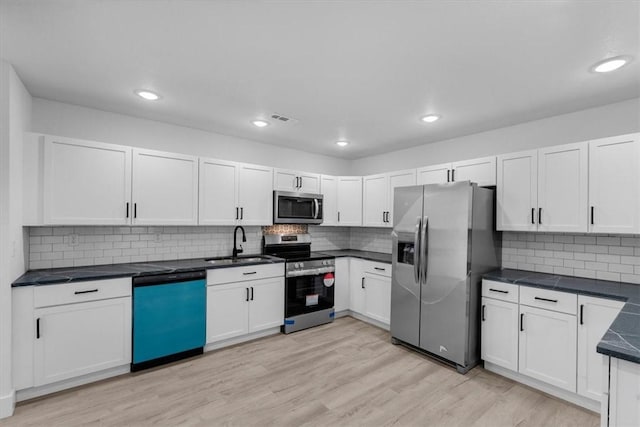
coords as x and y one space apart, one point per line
296 208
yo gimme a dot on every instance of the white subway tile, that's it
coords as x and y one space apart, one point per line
584 256
563 270
585 240
631 278
607 275
621 250
634 260
615 259
608 240
600 266
590 274
621 268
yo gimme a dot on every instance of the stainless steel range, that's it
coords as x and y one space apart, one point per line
309 281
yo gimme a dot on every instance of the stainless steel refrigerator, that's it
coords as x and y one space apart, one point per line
444 239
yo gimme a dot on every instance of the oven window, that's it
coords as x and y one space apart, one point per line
293 207
307 294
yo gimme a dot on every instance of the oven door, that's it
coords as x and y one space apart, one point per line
306 294
296 208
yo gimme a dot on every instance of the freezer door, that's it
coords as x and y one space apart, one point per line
444 288
405 286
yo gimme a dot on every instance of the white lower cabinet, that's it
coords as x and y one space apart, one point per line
341 286
547 349
595 315
621 408
252 302
499 326
69 330
78 339
370 285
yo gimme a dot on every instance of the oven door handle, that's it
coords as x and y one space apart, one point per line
312 272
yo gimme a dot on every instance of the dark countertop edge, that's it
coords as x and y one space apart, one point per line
356 253
605 346
62 274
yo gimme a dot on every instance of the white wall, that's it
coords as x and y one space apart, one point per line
608 120
15 116
62 119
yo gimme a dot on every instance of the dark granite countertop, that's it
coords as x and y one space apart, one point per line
368 255
622 339
110 271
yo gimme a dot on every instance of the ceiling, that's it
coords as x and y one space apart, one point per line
361 71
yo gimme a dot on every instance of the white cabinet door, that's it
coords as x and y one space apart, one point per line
356 281
614 184
517 191
350 200
309 183
329 200
255 195
595 316
285 180
78 339
86 182
165 188
377 290
482 171
563 188
218 192
398 179
624 393
547 349
266 305
227 311
288 180
435 174
499 325
375 200
341 286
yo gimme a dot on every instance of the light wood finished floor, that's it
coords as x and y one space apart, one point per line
345 373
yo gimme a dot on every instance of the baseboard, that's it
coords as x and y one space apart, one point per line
30 393
342 313
369 320
574 398
7 404
244 338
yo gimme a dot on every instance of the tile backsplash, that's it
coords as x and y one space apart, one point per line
51 247
606 257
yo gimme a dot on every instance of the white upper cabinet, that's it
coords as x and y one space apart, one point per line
375 200
563 188
481 171
434 174
255 195
288 180
329 191
517 191
614 184
86 182
378 196
218 192
350 200
165 188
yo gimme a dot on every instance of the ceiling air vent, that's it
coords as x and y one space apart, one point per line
283 119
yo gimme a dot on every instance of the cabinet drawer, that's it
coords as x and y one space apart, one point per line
68 293
500 291
563 302
239 274
380 268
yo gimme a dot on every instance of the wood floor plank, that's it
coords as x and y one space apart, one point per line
346 373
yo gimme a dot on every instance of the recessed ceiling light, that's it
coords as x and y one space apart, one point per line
342 143
147 94
430 118
610 64
260 123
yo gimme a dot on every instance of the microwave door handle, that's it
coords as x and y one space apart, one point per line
424 249
416 250
316 206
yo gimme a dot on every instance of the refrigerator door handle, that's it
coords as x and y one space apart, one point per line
424 249
416 250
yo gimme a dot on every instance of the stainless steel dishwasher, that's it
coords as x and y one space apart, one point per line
169 318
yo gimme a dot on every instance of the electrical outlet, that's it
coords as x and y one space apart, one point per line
73 240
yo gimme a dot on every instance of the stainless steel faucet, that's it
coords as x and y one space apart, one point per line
237 251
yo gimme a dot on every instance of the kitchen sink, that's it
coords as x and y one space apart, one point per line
237 260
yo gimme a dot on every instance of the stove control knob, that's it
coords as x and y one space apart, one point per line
296 265
301 265
325 262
